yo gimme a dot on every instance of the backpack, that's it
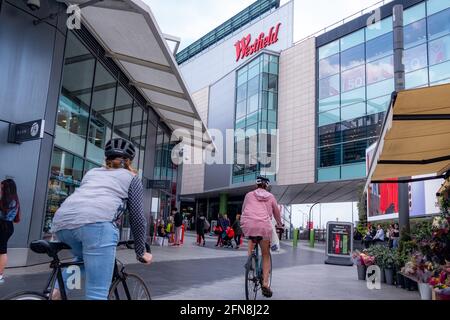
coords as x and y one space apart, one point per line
207 225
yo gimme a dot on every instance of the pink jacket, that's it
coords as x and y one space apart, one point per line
257 211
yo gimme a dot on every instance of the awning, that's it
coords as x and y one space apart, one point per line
415 138
128 32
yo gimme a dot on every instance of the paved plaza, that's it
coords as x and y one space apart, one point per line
190 272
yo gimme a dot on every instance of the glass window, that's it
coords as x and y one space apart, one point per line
415 33
416 79
122 113
354 152
329 104
353 96
242 77
100 127
374 124
353 78
329 87
379 47
379 89
329 117
330 156
253 69
353 57
65 177
353 171
329 66
354 129
241 92
416 58
75 98
378 105
353 111
329 50
241 109
253 86
414 14
440 72
352 40
329 174
435 6
88 166
270 82
273 67
439 24
142 144
330 134
378 28
380 70
439 50
136 131
253 103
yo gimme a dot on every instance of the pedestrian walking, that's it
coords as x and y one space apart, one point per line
237 230
201 226
9 214
178 223
222 225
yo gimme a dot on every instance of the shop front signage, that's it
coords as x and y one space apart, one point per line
247 47
28 131
158 184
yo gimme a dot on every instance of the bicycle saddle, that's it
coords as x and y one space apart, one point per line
255 239
51 248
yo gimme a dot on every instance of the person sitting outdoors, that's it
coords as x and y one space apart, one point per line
379 236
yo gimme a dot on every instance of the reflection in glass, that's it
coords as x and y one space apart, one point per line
100 127
122 113
353 78
330 156
439 50
415 58
439 24
329 66
353 57
380 70
380 47
329 87
415 33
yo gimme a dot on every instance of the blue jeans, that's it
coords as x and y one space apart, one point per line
95 245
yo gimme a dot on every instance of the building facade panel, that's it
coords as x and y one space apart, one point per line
296 116
220 59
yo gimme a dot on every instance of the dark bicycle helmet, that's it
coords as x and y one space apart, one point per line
260 180
120 147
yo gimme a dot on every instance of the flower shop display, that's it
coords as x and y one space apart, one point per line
362 260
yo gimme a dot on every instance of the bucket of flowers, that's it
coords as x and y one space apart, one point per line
362 260
441 283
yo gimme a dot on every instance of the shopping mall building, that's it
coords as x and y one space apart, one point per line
115 76
327 95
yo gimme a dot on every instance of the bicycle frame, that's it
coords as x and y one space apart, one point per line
122 277
57 277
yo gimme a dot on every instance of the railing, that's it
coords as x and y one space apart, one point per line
345 20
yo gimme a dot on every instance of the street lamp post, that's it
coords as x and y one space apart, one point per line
309 221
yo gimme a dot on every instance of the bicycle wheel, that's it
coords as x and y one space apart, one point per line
27 295
133 284
251 279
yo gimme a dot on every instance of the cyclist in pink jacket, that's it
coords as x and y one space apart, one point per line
257 211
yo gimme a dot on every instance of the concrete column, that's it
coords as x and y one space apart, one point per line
223 204
399 74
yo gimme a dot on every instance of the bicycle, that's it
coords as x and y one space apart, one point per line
123 285
254 272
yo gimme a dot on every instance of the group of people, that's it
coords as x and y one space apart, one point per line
226 232
88 219
379 236
173 227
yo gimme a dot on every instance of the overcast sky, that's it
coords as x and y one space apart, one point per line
191 19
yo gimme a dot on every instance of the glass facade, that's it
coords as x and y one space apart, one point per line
356 80
93 108
255 117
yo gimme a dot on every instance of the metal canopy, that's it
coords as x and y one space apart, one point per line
415 138
131 37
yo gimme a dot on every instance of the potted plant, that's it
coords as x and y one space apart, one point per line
378 252
388 265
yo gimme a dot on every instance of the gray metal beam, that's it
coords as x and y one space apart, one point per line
139 62
158 89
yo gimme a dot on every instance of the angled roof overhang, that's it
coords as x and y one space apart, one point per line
128 32
415 138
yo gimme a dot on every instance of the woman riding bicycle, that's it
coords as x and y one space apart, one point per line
256 221
86 221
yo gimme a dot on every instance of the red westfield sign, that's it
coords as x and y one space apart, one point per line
245 48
